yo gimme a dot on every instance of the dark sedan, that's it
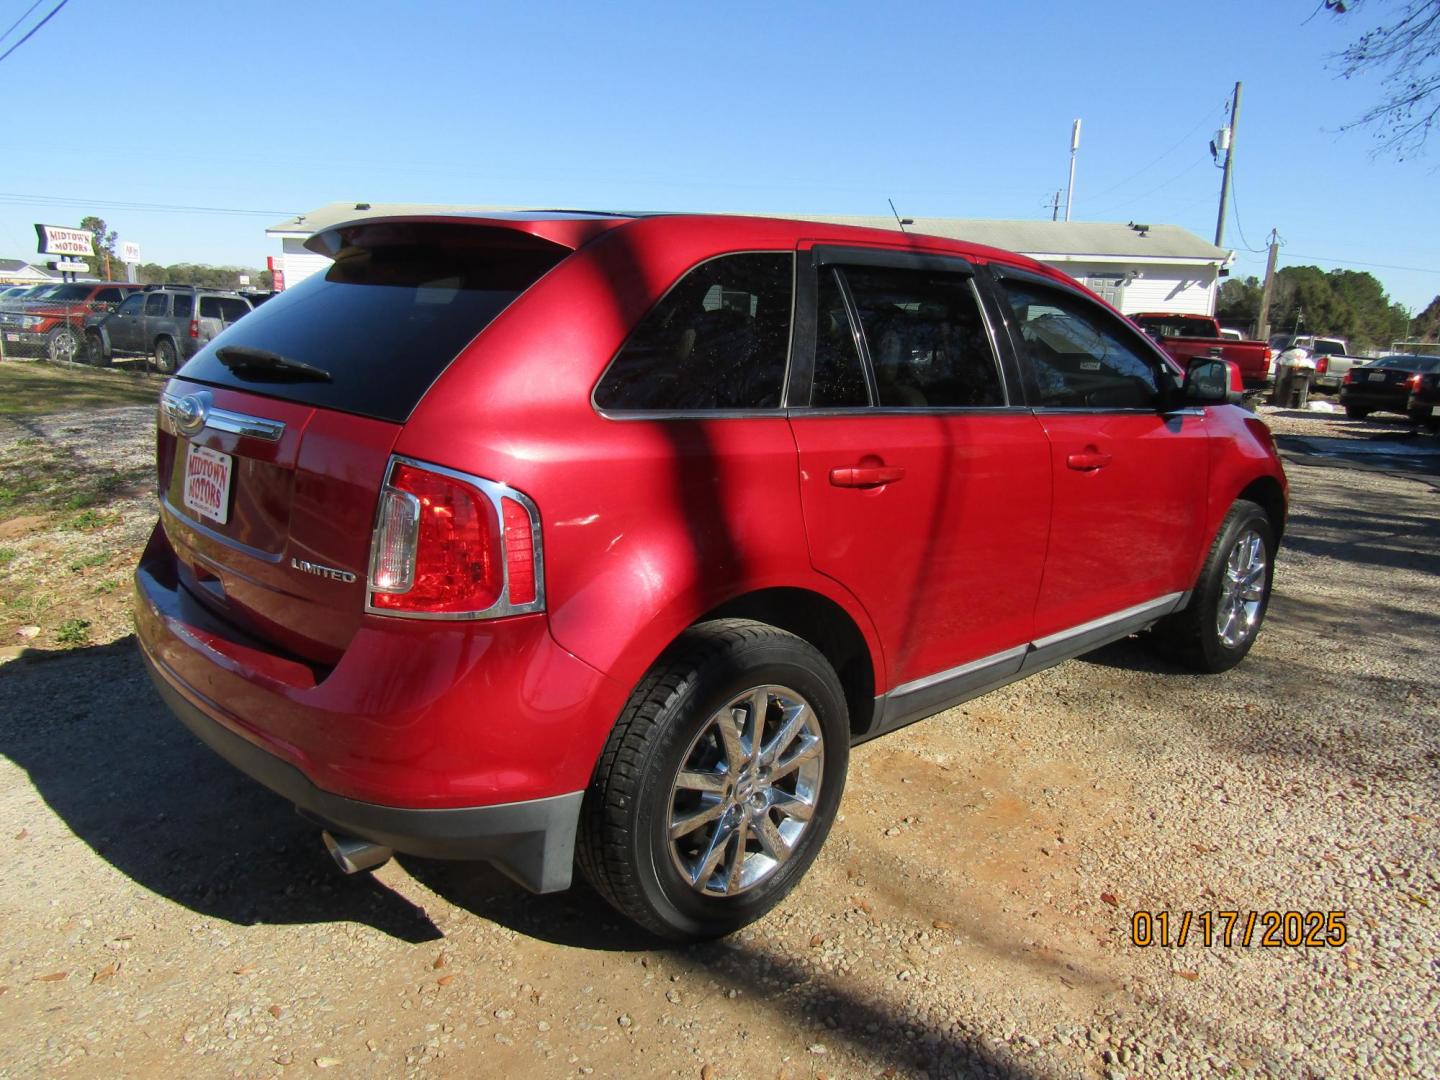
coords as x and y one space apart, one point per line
1424 398
1383 385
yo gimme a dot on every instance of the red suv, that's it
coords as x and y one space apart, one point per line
552 538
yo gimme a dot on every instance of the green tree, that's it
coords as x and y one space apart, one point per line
1239 301
1426 325
105 238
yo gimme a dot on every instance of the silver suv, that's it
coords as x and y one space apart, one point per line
167 324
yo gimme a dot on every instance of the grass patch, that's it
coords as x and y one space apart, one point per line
7 556
38 389
100 558
105 588
73 632
37 477
90 519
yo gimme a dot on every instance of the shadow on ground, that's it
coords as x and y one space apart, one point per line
132 783
160 807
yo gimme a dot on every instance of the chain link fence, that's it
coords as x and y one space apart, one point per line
50 321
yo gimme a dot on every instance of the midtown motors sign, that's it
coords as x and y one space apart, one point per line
58 240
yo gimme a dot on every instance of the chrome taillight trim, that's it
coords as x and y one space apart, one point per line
494 491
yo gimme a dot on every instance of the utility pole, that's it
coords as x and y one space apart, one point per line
1055 206
1262 320
1070 184
1228 136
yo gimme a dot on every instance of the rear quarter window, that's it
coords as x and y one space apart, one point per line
718 340
385 319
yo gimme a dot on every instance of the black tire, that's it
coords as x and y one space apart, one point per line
1355 412
95 353
64 344
165 356
1193 636
625 842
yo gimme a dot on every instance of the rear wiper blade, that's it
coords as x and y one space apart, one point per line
240 358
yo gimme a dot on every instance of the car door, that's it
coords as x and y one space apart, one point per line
123 328
1130 478
924 479
154 319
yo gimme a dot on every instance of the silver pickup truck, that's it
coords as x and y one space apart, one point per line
1331 355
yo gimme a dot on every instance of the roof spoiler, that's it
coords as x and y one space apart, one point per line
566 230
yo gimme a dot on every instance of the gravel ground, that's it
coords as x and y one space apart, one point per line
971 913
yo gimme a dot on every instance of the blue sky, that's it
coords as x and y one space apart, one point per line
951 109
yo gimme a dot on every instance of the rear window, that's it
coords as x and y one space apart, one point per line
1175 327
398 304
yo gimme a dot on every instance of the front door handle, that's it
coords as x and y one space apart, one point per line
1088 461
866 476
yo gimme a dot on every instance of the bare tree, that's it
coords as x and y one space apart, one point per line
1406 54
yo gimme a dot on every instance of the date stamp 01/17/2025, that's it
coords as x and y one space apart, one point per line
1229 929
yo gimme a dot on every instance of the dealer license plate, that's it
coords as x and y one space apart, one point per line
12 337
207 482
1377 376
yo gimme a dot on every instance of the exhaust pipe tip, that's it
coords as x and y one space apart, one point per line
353 855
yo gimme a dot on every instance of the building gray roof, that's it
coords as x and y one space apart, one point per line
1039 239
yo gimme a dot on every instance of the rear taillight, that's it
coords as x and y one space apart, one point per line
452 546
1415 381
195 328
1349 377
1322 365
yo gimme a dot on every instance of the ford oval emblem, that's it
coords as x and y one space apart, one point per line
189 414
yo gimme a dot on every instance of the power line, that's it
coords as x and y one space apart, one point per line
21 19
34 29
1159 187
1352 262
19 199
1183 139
1235 212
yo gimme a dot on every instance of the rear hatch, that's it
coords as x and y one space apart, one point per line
273 439
216 313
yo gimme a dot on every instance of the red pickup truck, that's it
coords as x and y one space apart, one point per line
1186 337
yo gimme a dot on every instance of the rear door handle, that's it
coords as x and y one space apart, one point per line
1088 461
866 476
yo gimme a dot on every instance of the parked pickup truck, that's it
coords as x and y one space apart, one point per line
1331 355
1186 337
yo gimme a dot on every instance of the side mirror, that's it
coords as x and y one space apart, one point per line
1212 382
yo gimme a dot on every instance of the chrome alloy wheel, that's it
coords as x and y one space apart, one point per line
1242 592
746 791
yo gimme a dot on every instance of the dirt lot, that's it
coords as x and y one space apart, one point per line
971 913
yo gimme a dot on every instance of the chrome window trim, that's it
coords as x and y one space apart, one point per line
494 491
729 414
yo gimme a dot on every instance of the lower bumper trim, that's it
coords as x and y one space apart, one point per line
532 842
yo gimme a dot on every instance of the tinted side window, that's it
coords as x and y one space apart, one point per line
927 339
839 377
231 309
184 306
718 340
1081 356
132 305
155 304
209 307
107 296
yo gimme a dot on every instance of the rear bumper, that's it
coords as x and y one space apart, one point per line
531 841
448 740
1365 398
